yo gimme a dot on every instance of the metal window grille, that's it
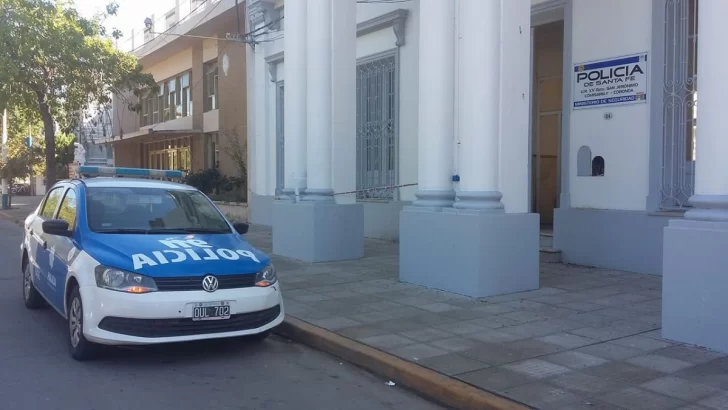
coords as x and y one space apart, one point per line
679 103
280 138
376 125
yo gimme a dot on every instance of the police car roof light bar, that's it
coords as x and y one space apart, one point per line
86 170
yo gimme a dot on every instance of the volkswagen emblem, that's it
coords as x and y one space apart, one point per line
209 283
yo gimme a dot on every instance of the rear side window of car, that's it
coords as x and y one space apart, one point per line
67 212
51 203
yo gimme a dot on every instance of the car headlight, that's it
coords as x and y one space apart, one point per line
122 281
266 277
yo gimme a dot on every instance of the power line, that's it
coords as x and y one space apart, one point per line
249 39
248 34
173 26
199 21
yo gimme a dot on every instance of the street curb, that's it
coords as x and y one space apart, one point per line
429 383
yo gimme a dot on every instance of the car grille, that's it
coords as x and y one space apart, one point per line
186 326
187 283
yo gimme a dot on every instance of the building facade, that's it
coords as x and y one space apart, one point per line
95 127
200 107
470 129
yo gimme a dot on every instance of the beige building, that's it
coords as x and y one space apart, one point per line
200 109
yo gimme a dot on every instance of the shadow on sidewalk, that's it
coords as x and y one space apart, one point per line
20 208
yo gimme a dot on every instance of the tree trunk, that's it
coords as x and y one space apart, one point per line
50 141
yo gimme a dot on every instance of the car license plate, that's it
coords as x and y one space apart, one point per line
211 311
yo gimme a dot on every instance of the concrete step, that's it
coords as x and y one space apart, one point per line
546 240
550 255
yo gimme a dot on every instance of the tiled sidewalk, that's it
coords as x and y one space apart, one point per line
21 207
588 339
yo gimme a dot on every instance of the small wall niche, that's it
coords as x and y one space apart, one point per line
586 166
584 162
597 168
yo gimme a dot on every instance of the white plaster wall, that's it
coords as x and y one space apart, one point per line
367 11
172 66
623 141
375 43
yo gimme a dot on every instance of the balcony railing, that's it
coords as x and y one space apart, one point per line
163 23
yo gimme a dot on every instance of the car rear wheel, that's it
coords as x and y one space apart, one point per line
80 348
31 296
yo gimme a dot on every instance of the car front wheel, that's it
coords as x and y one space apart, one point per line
80 348
31 296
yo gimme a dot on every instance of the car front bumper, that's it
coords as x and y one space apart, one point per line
118 318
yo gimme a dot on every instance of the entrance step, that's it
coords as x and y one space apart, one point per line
548 254
546 240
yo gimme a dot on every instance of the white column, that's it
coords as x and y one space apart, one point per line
343 110
480 37
318 101
436 104
259 123
711 168
294 43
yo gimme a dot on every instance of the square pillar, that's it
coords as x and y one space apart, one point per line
471 247
695 283
695 261
308 224
471 253
318 231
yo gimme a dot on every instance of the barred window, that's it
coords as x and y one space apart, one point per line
679 128
376 124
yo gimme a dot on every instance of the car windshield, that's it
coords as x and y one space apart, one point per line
152 210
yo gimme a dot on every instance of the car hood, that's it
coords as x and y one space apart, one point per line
175 255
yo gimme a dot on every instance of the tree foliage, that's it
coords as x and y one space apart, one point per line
29 161
56 62
219 187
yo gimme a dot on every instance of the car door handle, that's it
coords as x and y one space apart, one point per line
45 245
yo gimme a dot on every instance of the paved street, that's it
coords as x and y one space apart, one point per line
37 373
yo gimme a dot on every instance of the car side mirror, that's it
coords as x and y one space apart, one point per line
57 227
241 227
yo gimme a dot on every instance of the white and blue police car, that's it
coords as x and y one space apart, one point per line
133 261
